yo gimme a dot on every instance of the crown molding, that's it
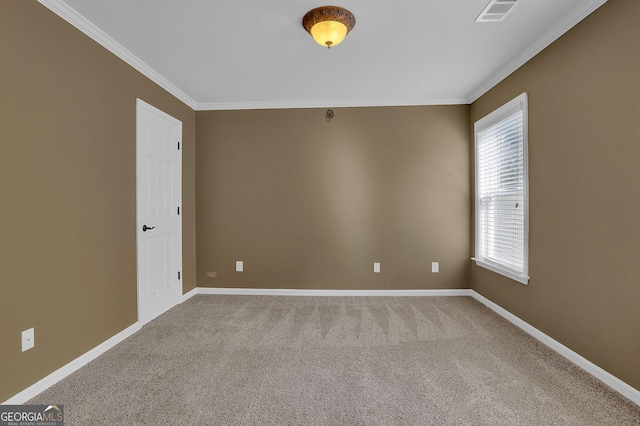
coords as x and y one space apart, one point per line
341 103
60 8
67 13
551 35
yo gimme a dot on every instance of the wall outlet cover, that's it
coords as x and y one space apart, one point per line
435 267
376 267
28 339
239 265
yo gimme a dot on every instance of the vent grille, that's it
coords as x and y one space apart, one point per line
496 10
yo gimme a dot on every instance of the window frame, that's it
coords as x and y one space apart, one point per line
520 103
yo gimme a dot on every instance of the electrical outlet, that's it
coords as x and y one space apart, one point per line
239 265
435 267
28 339
376 267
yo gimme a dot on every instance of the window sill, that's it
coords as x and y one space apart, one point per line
522 279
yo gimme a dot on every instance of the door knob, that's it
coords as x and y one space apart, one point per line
146 228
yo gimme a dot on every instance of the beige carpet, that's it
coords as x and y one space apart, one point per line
270 360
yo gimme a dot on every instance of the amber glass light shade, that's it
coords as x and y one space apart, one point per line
328 25
329 33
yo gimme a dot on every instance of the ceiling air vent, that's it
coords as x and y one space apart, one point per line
496 10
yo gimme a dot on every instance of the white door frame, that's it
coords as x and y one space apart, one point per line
141 105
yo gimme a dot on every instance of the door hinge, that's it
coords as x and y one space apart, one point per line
178 210
178 274
178 146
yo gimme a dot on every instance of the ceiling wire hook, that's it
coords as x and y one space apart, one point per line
329 115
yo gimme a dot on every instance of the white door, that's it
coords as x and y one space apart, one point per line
159 231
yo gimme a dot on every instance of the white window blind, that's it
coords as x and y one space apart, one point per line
501 191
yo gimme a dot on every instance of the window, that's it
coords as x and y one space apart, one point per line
502 201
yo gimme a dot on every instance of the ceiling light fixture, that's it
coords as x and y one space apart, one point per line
328 25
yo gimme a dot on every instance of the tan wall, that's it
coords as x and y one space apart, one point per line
310 204
67 179
584 159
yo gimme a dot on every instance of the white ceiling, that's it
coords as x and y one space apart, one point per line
244 54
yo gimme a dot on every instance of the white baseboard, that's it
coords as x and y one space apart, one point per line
74 365
296 292
189 295
607 378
